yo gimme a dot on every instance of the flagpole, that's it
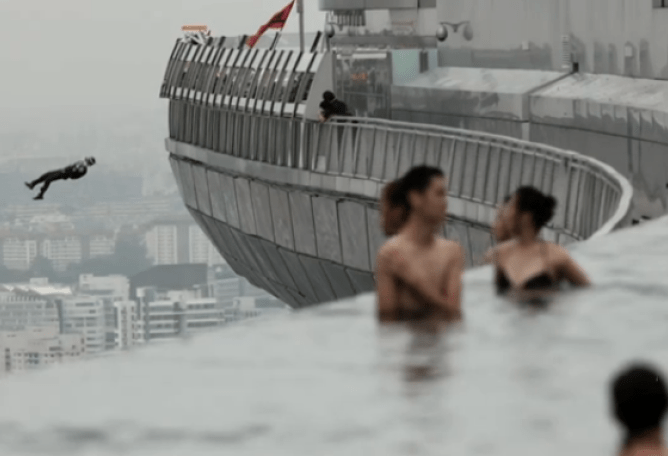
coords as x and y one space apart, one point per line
300 10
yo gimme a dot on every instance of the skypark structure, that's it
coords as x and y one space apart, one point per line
292 203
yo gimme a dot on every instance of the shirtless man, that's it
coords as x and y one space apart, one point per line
418 272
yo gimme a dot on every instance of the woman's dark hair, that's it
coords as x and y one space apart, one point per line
328 96
640 400
395 207
540 206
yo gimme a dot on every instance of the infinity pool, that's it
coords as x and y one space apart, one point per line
329 381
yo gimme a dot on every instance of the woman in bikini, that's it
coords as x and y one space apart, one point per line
418 272
526 265
640 402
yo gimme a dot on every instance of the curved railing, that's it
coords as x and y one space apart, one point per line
482 168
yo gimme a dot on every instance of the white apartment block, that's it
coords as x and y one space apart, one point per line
202 314
161 244
128 330
169 319
18 253
33 348
101 245
116 287
226 289
19 310
162 320
84 315
198 245
63 252
201 249
215 257
180 242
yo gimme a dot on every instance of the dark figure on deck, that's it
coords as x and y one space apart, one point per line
639 403
74 171
330 106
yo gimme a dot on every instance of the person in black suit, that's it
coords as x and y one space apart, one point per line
330 106
74 171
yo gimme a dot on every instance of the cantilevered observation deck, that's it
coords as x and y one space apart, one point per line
292 204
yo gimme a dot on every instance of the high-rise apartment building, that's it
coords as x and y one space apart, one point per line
101 244
128 330
116 287
162 244
177 240
36 347
23 309
61 248
84 315
18 252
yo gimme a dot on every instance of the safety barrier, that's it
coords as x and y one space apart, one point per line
482 168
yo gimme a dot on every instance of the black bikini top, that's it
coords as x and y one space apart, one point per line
541 281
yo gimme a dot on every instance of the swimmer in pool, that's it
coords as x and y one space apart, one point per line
418 272
526 265
500 228
640 401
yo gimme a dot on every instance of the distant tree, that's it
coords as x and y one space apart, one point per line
99 266
12 275
130 255
42 267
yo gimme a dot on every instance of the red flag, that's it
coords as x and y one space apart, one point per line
277 21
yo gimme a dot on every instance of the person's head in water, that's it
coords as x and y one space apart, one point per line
90 161
328 96
640 401
501 227
422 190
529 210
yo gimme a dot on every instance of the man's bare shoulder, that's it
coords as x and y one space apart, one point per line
389 249
450 249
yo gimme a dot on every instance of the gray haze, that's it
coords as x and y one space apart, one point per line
71 60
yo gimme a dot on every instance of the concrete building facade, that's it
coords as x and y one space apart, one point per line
84 315
23 309
37 347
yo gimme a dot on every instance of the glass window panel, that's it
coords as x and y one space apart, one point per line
179 71
175 68
275 80
250 85
245 83
243 70
213 71
199 77
265 80
187 64
283 81
267 57
231 73
218 76
170 67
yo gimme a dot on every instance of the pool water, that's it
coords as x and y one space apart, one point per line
510 380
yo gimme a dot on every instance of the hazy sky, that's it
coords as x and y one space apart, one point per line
90 55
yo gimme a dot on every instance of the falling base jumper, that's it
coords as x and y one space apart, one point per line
74 171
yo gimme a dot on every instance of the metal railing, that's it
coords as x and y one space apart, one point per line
482 168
